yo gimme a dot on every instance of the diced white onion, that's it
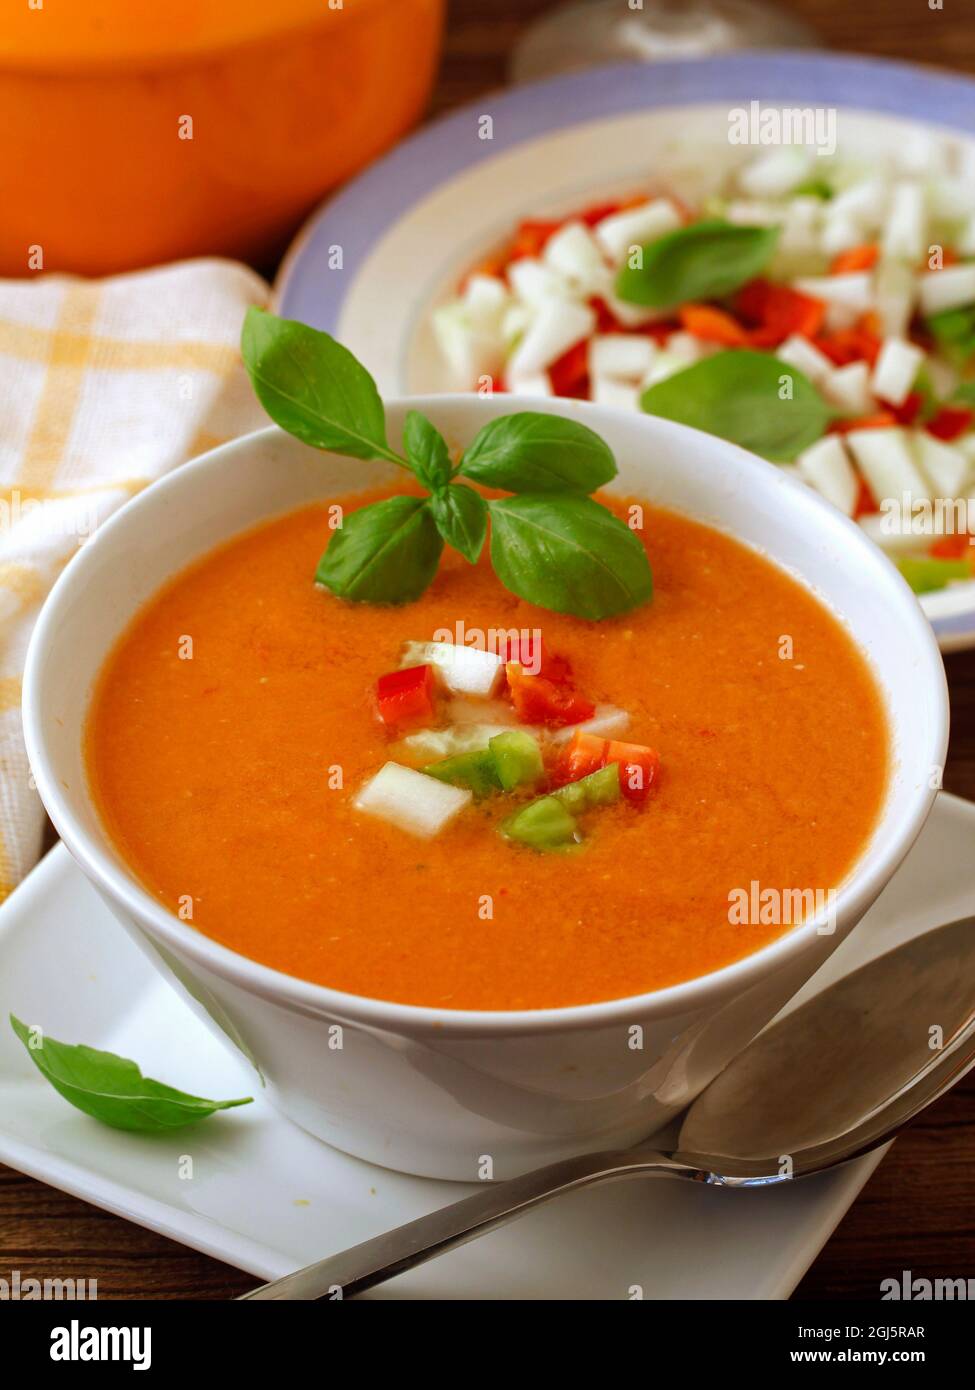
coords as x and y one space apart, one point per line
637 226
607 722
618 395
951 288
848 388
776 173
851 291
825 465
946 466
557 326
411 801
574 253
621 355
895 295
885 459
469 354
485 299
465 670
534 283
429 745
904 234
800 353
538 384
895 371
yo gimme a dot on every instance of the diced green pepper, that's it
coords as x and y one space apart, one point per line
518 759
477 770
600 788
927 573
813 188
542 824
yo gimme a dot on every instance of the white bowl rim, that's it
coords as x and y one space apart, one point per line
854 895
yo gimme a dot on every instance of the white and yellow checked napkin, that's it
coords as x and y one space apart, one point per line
104 386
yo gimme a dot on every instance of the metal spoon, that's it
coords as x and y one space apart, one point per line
836 1077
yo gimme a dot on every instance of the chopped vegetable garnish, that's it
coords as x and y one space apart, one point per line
538 700
584 753
542 824
600 788
534 657
464 670
406 697
926 574
406 798
477 770
517 760
639 767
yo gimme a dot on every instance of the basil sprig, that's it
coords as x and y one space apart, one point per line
749 398
550 544
112 1089
704 261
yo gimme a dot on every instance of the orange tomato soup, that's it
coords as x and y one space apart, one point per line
212 774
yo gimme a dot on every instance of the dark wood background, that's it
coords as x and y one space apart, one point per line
918 1211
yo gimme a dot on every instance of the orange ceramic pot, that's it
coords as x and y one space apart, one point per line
139 131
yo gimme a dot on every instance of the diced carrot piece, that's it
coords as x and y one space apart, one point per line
538 700
857 258
950 422
713 325
883 420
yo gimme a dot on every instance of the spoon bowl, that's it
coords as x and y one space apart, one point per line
833 1078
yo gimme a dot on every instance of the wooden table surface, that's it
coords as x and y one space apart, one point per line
918 1211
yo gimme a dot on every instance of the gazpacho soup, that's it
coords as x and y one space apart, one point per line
520 777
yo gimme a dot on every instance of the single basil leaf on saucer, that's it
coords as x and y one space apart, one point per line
461 517
749 398
387 552
569 554
703 261
313 387
533 452
426 450
112 1089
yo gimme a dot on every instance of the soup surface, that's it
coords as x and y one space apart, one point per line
214 768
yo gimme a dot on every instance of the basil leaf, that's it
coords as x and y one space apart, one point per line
532 452
112 1089
954 332
704 261
461 517
736 395
426 449
569 554
313 387
387 552
964 394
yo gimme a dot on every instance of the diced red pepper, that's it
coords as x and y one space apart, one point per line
776 312
858 344
866 503
538 700
856 258
713 325
950 422
597 212
585 753
909 409
957 546
534 657
569 374
639 768
406 697
531 236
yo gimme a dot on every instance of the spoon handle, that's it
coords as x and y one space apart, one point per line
374 1261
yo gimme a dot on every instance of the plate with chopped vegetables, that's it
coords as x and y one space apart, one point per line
776 248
